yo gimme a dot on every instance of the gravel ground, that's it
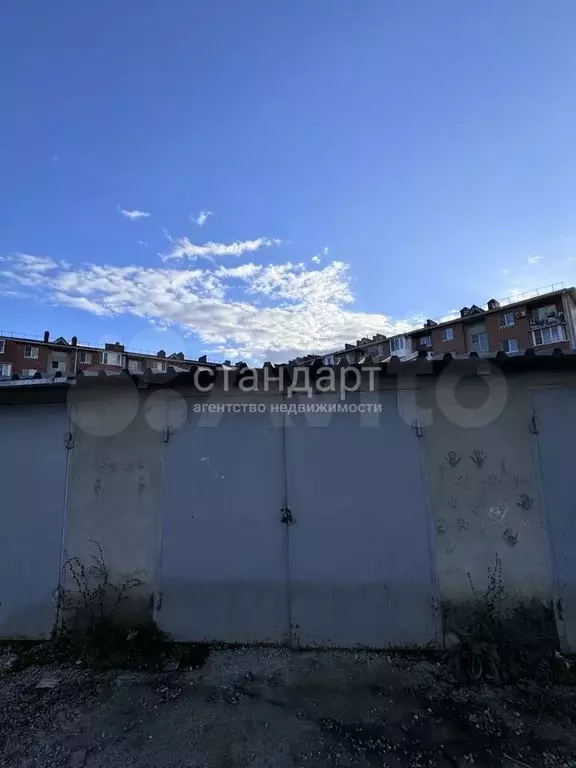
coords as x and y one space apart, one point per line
275 708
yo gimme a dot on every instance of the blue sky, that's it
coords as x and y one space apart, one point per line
363 163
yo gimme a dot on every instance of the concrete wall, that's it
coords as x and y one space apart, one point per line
115 482
485 492
480 455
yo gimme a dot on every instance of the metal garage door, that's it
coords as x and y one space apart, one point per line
361 566
555 410
224 553
33 461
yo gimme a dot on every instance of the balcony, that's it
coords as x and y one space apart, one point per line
550 318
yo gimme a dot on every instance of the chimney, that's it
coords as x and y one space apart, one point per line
74 341
180 355
202 359
226 362
430 324
493 304
161 353
46 336
464 311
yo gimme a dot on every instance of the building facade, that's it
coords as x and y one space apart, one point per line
28 356
543 322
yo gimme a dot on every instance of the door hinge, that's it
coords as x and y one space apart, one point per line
533 425
417 427
166 435
287 517
69 440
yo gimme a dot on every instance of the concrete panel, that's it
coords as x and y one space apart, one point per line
361 570
33 460
224 560
484 489
556 419
116 483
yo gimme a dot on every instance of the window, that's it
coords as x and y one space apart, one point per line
329 360
426 341
31 353
510 345
479 342
5 369
543 312
548 335
112 358
506 320
448 334
2 346
397 345
134 366
28 371
159 366
380 351
85 358
59 365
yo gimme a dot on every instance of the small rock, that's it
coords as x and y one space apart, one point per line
78 759
48 681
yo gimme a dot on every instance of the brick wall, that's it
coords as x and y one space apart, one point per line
519 331
14 353
456 346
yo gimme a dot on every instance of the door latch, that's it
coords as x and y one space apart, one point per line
287 518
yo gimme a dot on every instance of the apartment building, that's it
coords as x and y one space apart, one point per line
544 320
27 356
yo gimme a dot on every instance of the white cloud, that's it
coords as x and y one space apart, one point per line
133 215
505 271
325 250
184 249
143 243
32 263
534 259
167 235
202 218
316 259
276 313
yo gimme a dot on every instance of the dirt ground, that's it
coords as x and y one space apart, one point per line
275 708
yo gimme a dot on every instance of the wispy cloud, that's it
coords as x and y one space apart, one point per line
143 243
134 214
184 249
167 235
277 311
316 259
202 218
535 259
505 271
